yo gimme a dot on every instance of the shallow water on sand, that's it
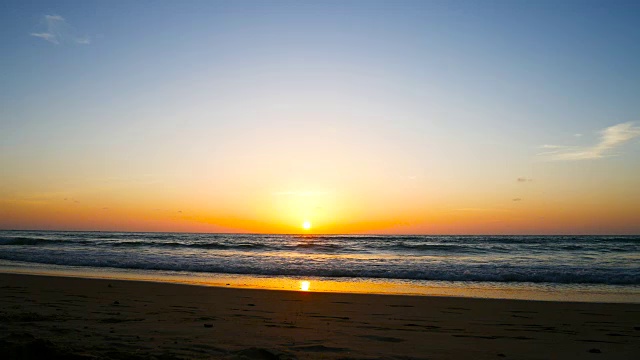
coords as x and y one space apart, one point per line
519 291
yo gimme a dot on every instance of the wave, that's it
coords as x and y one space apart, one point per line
402 268
317 246
406 245
220 246
33 241
450 248
305 246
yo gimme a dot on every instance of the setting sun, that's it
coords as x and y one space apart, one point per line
306 225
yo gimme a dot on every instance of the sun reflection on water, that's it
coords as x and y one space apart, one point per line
304 285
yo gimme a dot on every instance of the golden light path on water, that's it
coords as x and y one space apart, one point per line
304 285
359 286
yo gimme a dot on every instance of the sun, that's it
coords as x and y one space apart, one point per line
306 225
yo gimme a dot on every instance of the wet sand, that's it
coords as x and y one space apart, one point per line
58 317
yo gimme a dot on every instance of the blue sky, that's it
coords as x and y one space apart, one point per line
545 59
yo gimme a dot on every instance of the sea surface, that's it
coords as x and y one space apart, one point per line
608 265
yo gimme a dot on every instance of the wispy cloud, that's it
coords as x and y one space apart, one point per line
610 139
557 147
46 36
57 31
521 180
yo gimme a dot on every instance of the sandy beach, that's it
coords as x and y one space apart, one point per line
59 317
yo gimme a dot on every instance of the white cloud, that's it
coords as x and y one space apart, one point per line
610 138
54 17
83 40
556 146
46 36
57 31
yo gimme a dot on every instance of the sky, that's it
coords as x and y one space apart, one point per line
390 117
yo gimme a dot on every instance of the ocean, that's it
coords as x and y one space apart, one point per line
560 265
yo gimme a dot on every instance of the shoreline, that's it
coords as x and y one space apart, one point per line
118 319
497 291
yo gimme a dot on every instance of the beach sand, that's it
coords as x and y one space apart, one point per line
73 318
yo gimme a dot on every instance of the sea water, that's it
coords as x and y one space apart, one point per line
600 268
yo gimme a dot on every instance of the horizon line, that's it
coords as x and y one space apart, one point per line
319 234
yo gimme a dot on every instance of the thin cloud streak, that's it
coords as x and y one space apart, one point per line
610 139
58 31
46 36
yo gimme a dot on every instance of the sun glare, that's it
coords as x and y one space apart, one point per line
306 225
304 285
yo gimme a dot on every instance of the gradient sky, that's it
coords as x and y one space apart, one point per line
435 117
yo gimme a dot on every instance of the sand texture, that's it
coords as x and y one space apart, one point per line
71 318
